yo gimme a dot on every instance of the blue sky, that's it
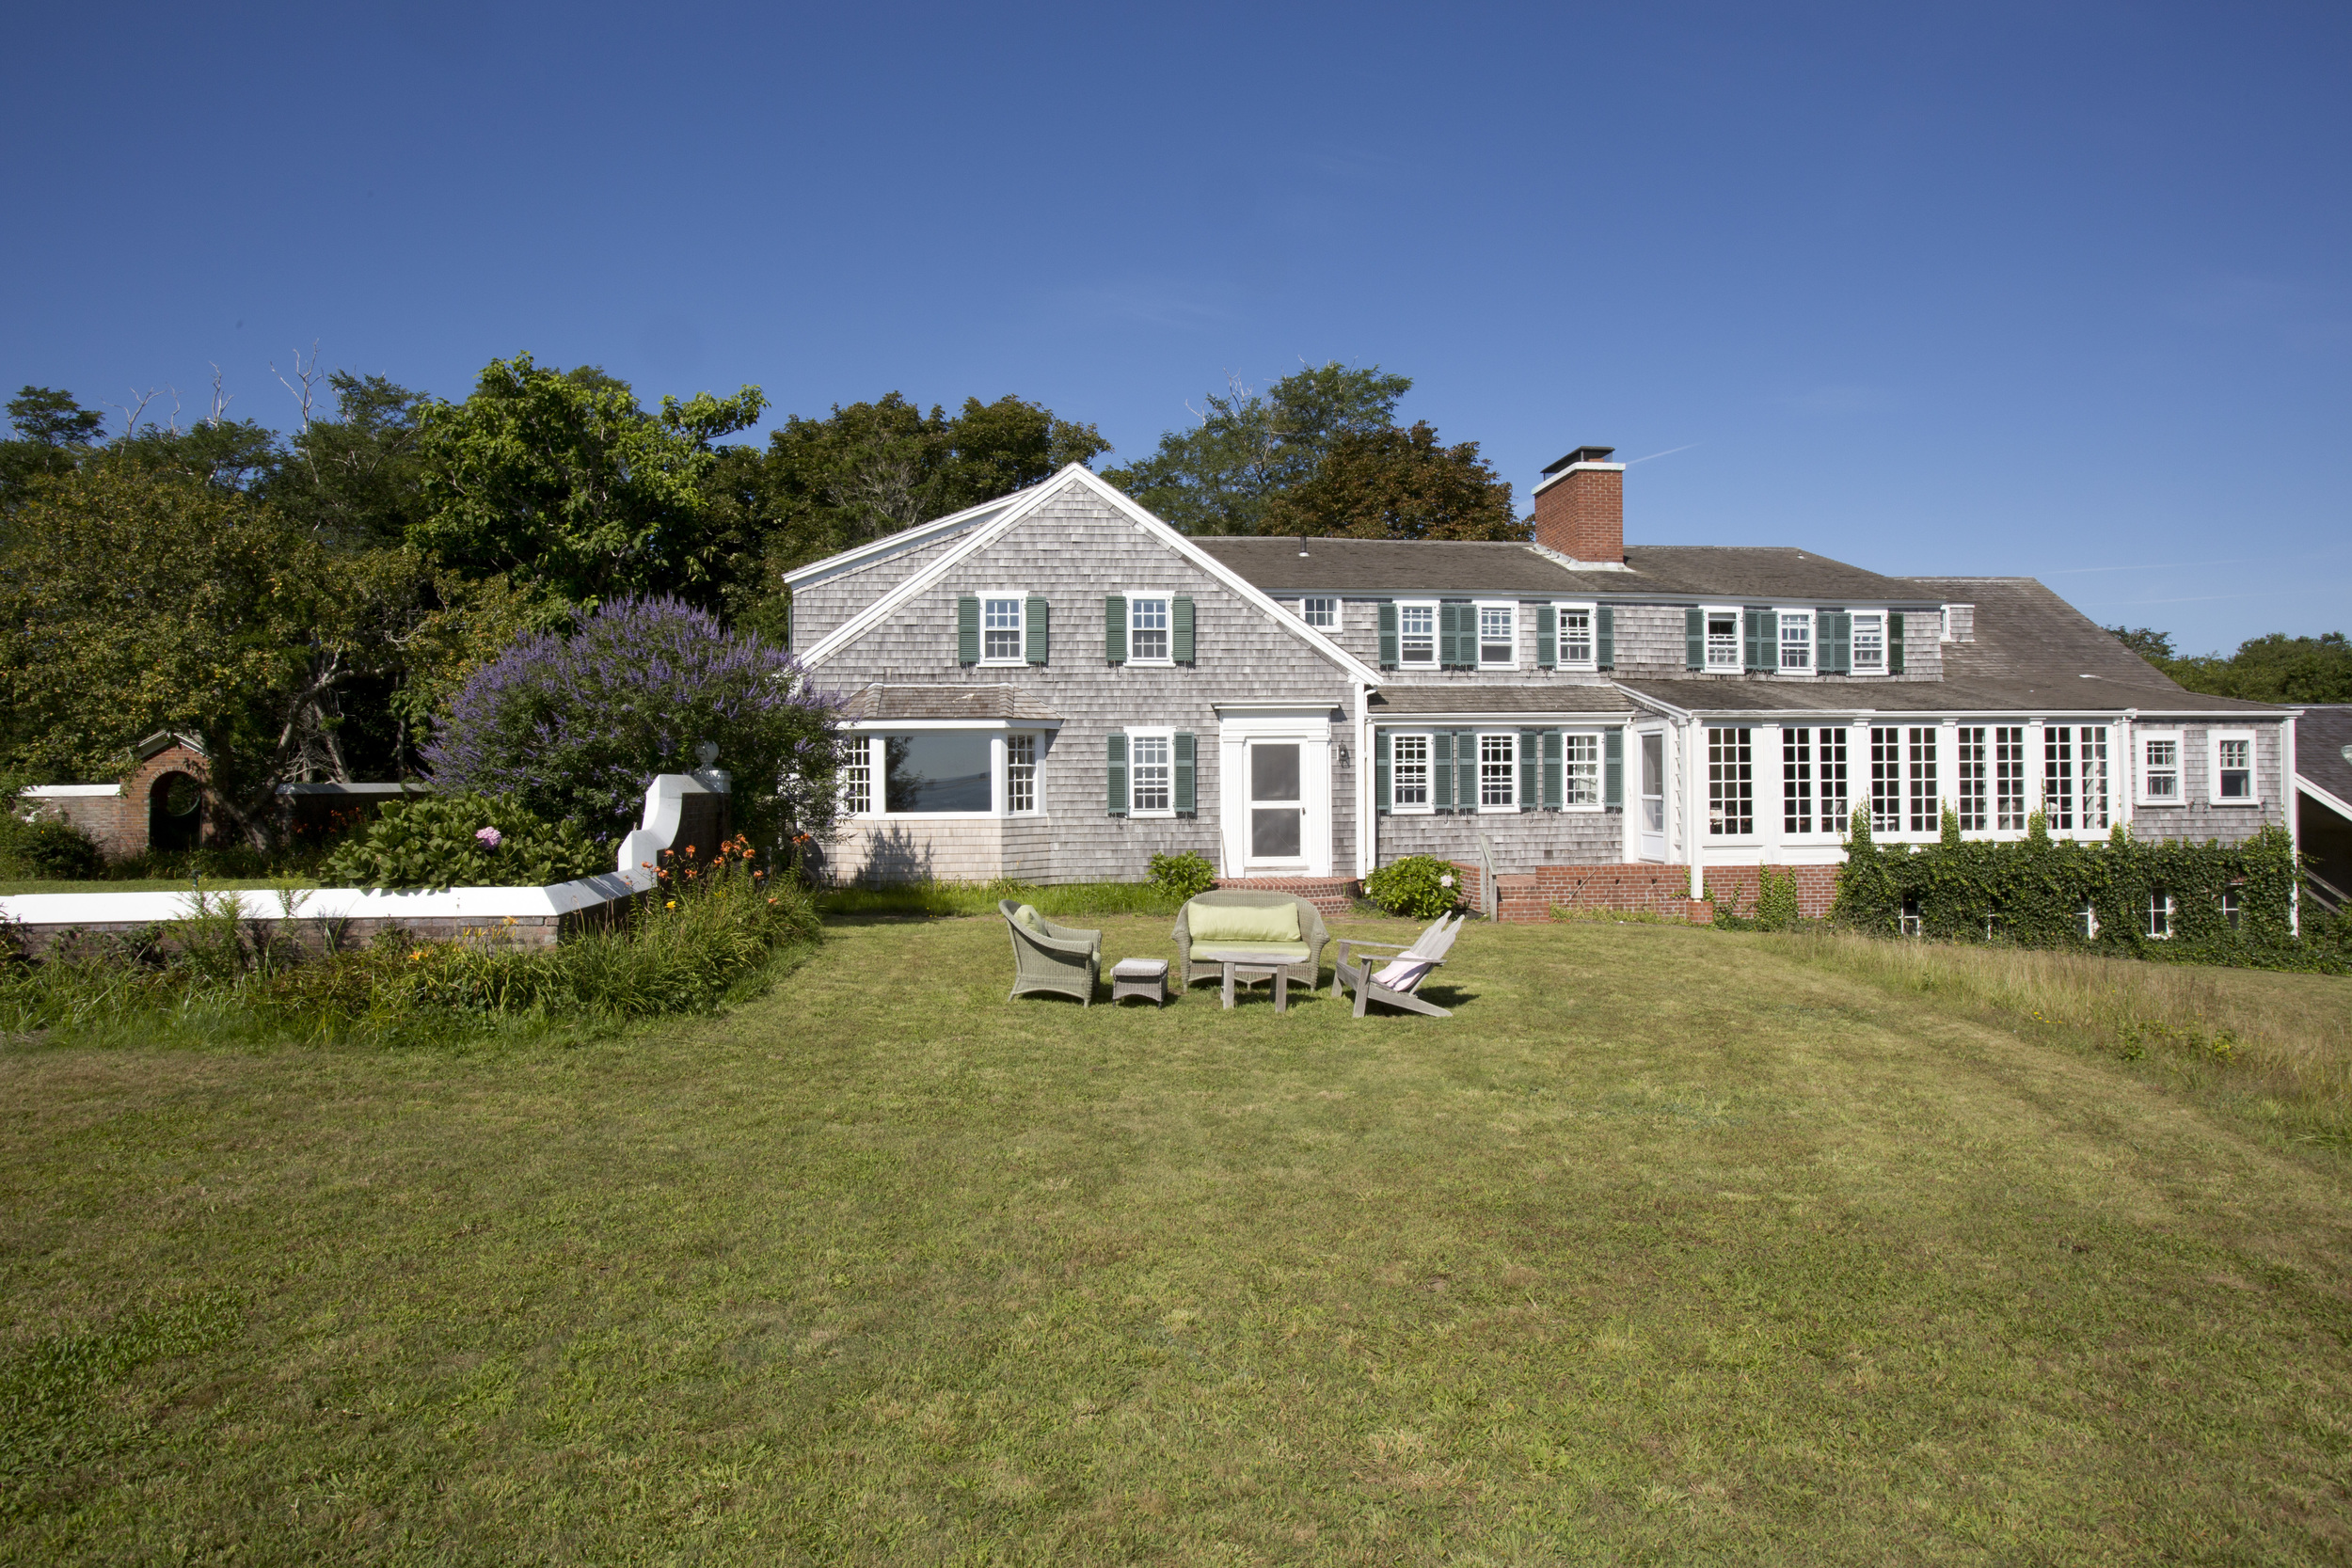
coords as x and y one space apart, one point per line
2059 291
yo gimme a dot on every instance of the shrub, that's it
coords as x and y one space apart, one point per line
1775 901
1419 886
443 841
49 848
575 727
1183 877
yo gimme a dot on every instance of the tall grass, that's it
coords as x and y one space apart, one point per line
1061 901
2273 1045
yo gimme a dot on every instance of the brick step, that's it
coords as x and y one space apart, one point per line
1330 895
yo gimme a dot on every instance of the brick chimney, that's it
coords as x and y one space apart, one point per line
1579 506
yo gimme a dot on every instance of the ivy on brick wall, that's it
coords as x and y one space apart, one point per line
2193 903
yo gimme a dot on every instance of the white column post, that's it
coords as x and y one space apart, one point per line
1694 813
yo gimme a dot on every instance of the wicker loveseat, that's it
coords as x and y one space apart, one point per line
1198 954
1046 956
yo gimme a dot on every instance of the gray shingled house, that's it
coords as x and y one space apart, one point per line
1056 685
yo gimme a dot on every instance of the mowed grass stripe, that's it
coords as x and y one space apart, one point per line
1667 1245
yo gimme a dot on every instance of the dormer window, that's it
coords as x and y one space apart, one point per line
1722 640
1417 635
1497 636
1796 641
1869 642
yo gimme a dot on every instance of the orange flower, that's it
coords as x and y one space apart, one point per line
671 905
415 956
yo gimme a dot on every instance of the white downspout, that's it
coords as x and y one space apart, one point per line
1367 825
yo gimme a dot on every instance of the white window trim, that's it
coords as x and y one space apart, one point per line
1853 662
1478 774
2213 769
1812 641
1339 611
2139 768
1436 641
1021 636
1560 639
1478 611
2148 917
1600 768
1738 639
1166 596
1037 772
1429 739
1148 732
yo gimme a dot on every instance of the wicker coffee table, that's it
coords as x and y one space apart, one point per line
1141 978
1251 968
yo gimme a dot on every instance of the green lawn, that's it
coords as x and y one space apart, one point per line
1669 1247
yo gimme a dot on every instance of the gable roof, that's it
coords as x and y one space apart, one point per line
980 533
1732 572
2323 749
999 701
898 543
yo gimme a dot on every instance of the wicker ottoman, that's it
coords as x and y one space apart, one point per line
1141 978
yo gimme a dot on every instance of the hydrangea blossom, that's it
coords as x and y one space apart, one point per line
489 837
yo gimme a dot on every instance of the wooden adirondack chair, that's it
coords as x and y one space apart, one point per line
1395 981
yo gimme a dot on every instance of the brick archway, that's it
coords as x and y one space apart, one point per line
175 812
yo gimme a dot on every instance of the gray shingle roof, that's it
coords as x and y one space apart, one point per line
995 701
1729 572
1463 698
2323 738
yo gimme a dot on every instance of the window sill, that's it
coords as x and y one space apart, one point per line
1004 663
2171 805
1511 666
1500 811
1150 663
1168 816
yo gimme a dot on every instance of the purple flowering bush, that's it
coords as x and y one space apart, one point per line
576 727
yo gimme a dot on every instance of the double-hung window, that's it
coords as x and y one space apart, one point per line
1813 780
1796 641
1498 771
1021 773
2232 781
1730 783
1147 629
1926 806
2008 778
1722 640
1409 779
1972 774
1583 767
1886 780
1001 628
1417 635
1497 636
1576 637
1321 613
2160 767
2160 915
1151 772
857 778
1869 642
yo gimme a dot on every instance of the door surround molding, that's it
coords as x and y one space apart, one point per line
1308 724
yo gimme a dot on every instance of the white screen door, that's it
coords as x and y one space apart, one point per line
1654 796
1276 810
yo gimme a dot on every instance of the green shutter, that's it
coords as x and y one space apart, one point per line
967 631
1555 766
1832 637
1449 635
1695 638
1115 628
1380 770
1763 629
1531 767
1547 637
1388 634
1038 620
1605 636
1466 769
1613 768
1185 771
1179 627
1895 642
1114 747
1441 770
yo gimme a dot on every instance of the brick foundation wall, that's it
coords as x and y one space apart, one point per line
1330 895
1642 888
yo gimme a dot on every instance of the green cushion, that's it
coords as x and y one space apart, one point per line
1289 952
1242 921
1028 916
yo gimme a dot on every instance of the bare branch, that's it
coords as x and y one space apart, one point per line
221 401
132 412
306 394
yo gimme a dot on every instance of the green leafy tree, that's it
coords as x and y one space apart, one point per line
567 486
1222 475
2275 668
2149 644
53 435
357 481
1398 485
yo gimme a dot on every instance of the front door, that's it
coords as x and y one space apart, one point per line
1654 796
1277 831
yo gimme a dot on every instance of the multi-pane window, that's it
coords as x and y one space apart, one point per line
1972 775
1417 634
1583 769
1021 772
1730 783
857 778
1796 639
2230 907
1886 780
1926 806
1323 615
1000 630
2160 915
2232 769
1147 630
1575 635
2074 777
1409 779
1722 640
1151 773
1498 641
1498 770
2160 767
1869 642
1813 780
2008 778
